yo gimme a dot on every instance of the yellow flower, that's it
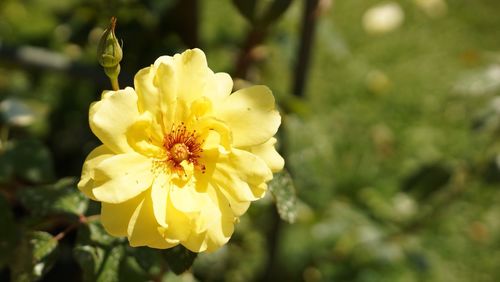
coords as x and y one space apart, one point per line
182 157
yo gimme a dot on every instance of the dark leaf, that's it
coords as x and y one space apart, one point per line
246 8
6 166
179 259
148 259
427 180
90 259
275 10
8 233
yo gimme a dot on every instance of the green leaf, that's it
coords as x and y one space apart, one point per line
9 233
246 8
275 10
109 271
93 233
179 259
283 191
131 271
34 256
90 259
60 198
98 263
98 253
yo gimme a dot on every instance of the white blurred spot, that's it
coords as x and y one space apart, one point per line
383 18
16 112
479 82
404 205
433 8
38 269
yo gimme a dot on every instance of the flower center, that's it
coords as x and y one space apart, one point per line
179 152
183 150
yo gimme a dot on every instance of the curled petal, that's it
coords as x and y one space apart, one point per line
148 94
111 117
145 136
251 115
239 173
218 87
268 153
143 229
86 183
116 217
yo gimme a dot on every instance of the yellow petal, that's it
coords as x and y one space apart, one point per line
86 183
166 81
268 153
143 229
148 94
110 118
179 225
211 227
187 199
219 221
214 132
251 115
238 208
238 173
122 177
218 87
116 217
196 242
192 73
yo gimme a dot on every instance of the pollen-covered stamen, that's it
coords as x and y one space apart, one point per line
183 145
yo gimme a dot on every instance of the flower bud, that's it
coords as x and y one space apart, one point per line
109 51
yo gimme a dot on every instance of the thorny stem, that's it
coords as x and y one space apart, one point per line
82 220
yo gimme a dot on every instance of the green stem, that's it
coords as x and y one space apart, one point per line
112 73
114 83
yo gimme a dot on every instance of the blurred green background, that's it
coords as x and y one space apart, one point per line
393 144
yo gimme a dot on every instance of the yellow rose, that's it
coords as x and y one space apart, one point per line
182 157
